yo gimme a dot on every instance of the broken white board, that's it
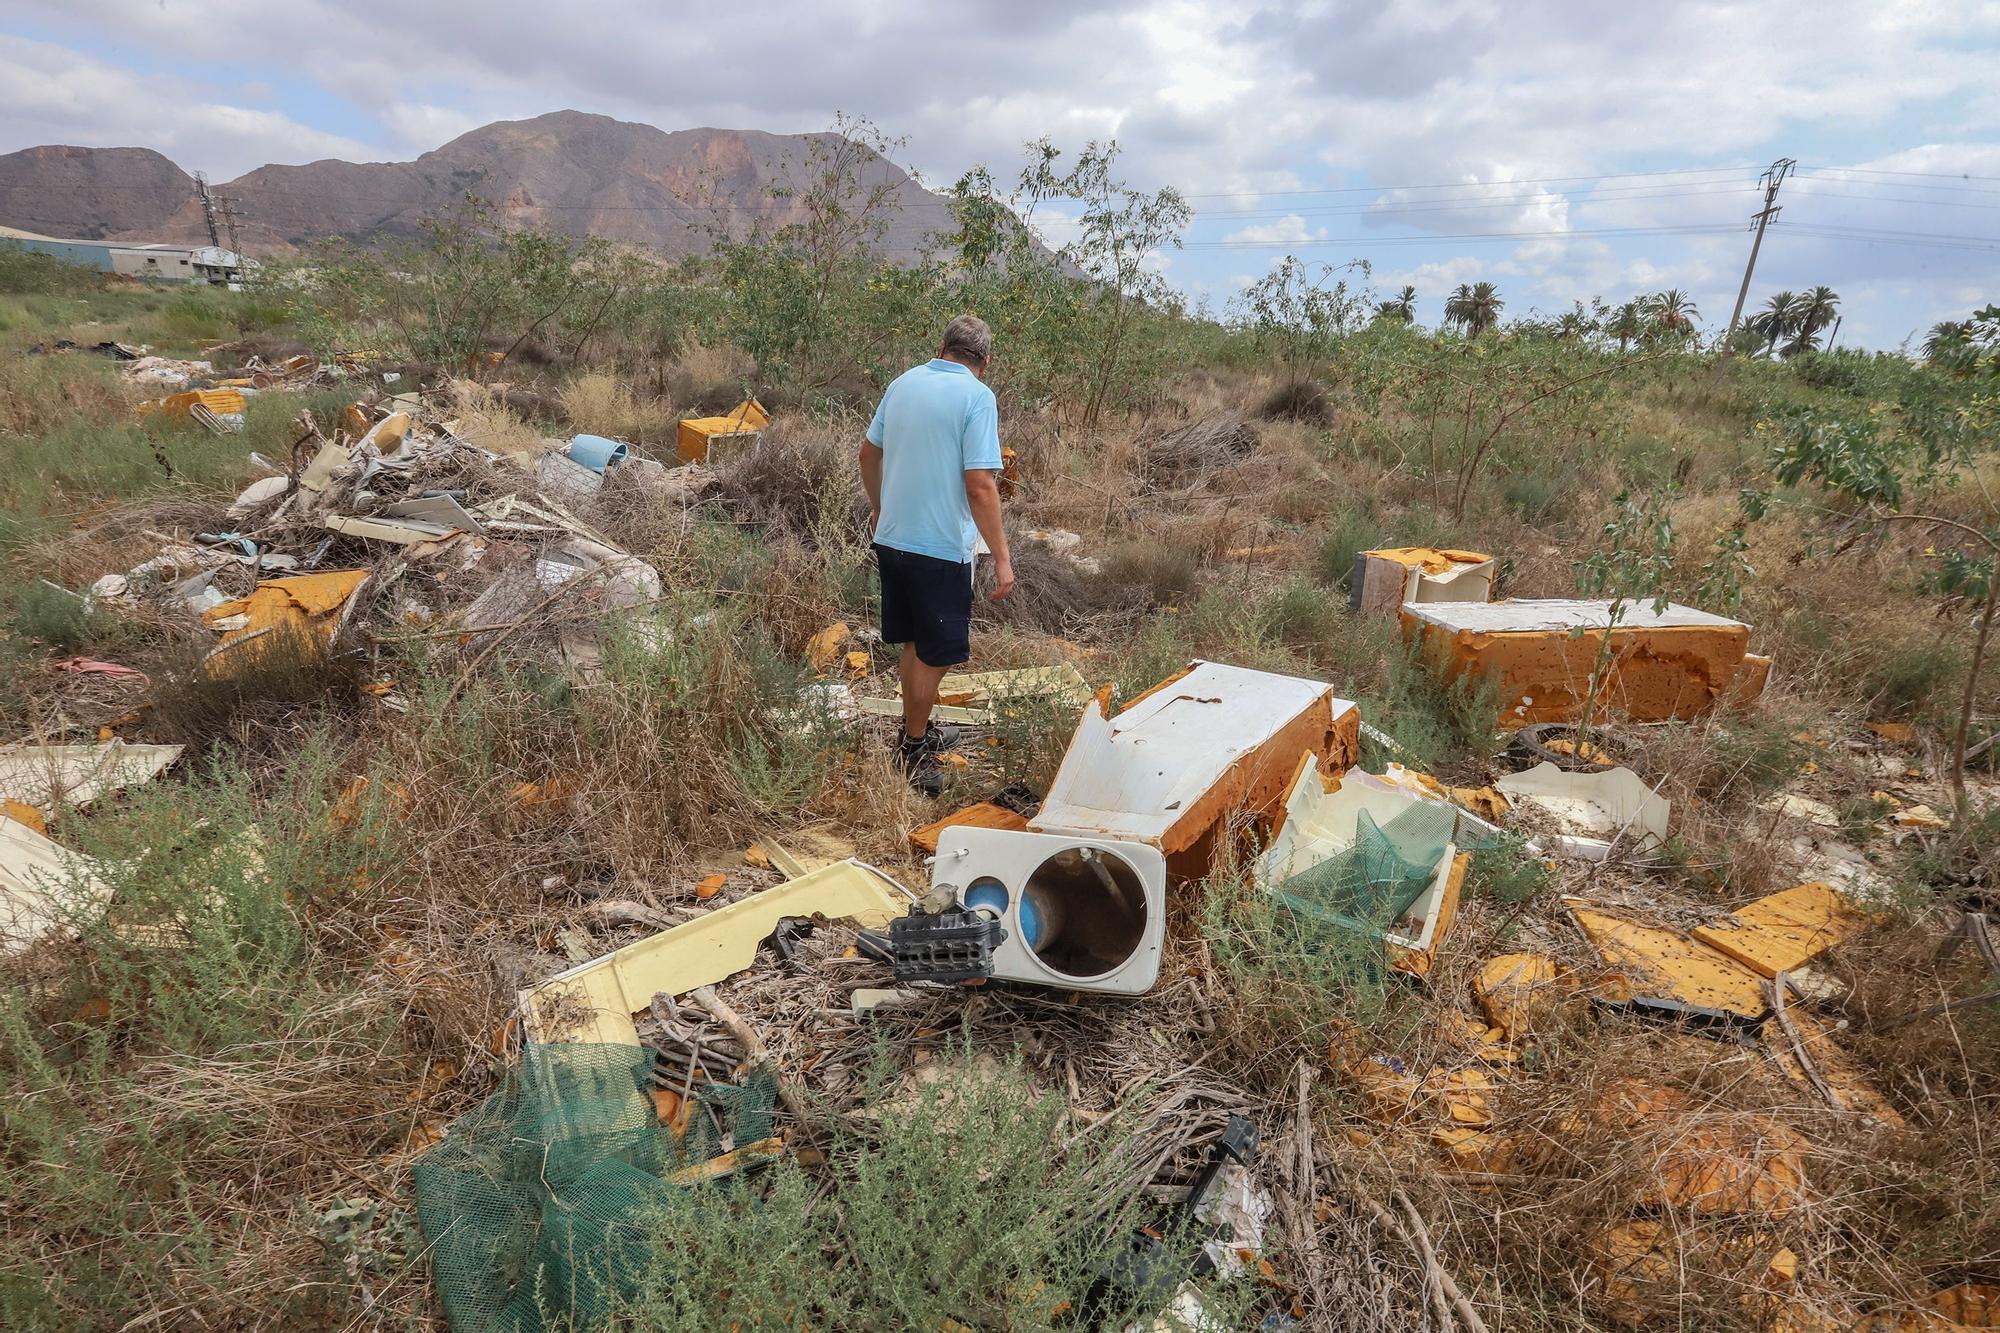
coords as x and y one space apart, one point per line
46 776
438 509
976 694
1593 811
42 886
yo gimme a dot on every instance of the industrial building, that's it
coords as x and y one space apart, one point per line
159 263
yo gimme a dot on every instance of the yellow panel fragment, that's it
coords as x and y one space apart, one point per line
1667 964
1786 930
595 1001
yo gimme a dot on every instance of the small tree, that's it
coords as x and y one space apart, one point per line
1634 570
1874 460
1118 232
1303 311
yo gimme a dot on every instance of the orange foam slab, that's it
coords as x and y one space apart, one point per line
983 815
1674 663
1664 963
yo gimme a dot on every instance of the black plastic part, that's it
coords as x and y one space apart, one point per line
787 934
946 947
1018 798
1721 1024
1238 1143
1143 1270
874 944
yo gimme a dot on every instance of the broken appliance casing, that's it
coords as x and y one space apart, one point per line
1322 820
1079 912
1153 786
1209 742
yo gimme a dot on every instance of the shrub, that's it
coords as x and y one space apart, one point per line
1912 679
1531 495
1302 401
1506 872
1437 721
1349 530
964 1203
1289 980
196 1061
202 702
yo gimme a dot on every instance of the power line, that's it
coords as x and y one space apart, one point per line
1929 175
1479 201
1896 185
1460 185
1439 237
1888 236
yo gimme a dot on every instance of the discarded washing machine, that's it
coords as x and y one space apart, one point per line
1079 899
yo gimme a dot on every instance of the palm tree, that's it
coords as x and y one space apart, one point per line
1575 325
1476 307
1778 319
1816 310
1672 313
1403 307
1626 324
1947 338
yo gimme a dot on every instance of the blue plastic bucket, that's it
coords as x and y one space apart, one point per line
596 453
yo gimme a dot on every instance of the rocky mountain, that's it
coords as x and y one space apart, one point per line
566 171
90 193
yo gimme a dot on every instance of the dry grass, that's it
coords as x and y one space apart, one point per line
486 421
708 378
603 403
509 800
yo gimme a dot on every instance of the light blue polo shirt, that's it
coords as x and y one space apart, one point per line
935 423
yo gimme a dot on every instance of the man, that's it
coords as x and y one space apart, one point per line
931 467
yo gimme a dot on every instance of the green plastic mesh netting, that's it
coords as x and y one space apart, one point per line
1370 886
533 1206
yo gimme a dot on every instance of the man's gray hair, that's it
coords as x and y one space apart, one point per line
967 337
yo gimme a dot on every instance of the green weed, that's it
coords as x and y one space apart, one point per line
1506 872
1436 721
967 1202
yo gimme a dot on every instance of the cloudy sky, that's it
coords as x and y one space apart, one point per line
1559 150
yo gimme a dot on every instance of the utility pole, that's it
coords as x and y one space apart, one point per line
207 209
227 207
1772 178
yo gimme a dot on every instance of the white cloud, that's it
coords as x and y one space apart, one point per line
1223 101
1288 230
50 94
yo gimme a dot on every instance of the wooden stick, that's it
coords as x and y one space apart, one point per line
1444 1278
753 1045
1774 991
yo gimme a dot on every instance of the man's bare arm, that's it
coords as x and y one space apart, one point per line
871 482
982 492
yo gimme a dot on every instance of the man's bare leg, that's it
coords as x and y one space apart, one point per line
920 691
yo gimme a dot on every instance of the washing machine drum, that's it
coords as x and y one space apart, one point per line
1076 911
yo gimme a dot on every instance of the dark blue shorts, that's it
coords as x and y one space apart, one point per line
926 602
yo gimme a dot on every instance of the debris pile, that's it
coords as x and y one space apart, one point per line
676 1043
1188 456
389 517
